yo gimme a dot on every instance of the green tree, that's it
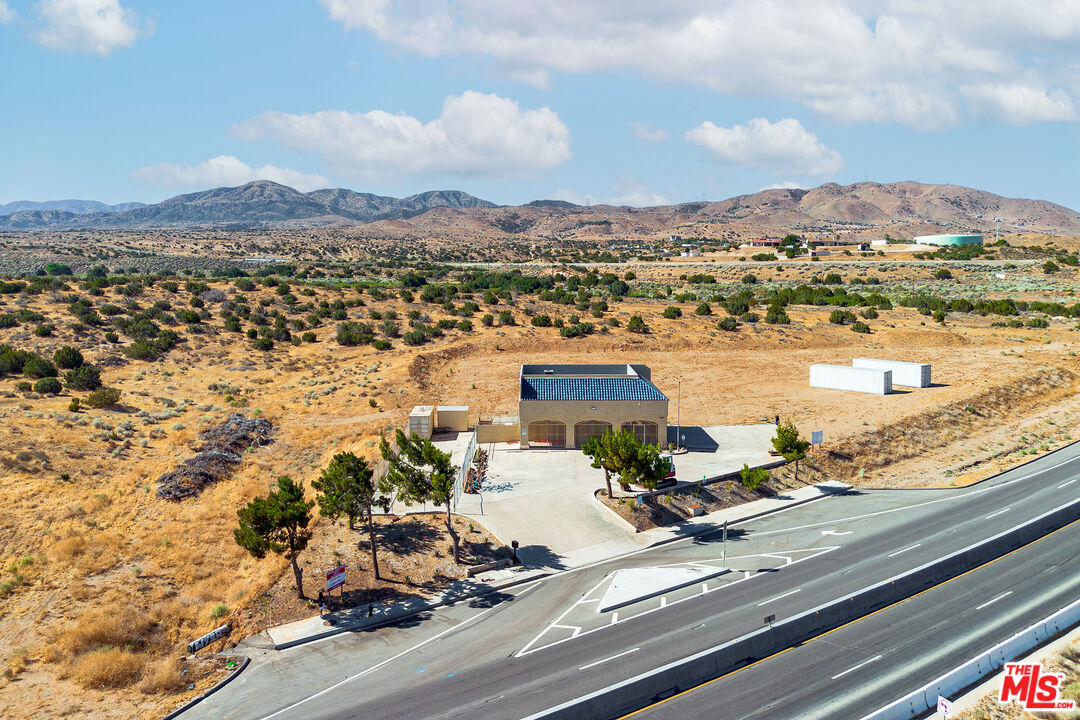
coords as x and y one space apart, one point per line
68 357
420 472
598 449
277 523
650 467
347 486
790 445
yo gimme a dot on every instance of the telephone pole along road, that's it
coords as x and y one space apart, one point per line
515 653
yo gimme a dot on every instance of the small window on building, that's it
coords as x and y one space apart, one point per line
645 430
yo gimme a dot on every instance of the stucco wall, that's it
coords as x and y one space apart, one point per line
569 413
496 433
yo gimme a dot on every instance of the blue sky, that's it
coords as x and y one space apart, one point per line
627 101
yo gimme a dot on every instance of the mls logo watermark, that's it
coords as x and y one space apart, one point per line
1027 684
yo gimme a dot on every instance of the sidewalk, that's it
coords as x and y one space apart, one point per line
358 618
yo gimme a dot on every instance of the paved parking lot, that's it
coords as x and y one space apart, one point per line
544 498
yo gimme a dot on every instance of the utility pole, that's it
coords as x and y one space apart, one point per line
724 563
678 416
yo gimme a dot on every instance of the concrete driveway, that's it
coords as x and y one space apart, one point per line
544 498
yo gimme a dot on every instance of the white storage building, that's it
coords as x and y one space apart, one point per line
853 379
907 374
422 421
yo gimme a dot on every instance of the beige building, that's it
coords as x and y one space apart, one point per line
562 406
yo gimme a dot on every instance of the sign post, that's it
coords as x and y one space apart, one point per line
816 437
944 706
724 565
336 578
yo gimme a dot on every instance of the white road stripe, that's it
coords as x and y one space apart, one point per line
1068 482
614 617
778 597
999 512
988 603
613 657
863 663
909 547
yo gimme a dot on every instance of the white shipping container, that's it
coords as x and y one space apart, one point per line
842 377
908 374
422 421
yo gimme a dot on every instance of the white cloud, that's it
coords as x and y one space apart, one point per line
226 170
92 26
784 146
784 185
1020 103
647 133
6 13
476 134
904 61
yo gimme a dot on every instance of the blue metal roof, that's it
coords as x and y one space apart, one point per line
586 388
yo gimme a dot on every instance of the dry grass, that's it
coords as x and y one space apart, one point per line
107 668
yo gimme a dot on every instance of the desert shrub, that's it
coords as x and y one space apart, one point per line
354 333
728 324
107 668
308 337
487 320
861 327
48 386
833 279
703 309
748 279
464 326
73 406
506 317
753 478
749 317
24 386
381 345
264 343
776 315
84 377
414 337
45 330
637 325
38 367
939 316
541 321
112 337
152 349
7 320
244 284
68 357
943 274
163 678
1037 323
870 313
103 397
841 317
671 312
1050 267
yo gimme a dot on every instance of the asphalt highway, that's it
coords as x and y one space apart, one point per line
868 664
518 652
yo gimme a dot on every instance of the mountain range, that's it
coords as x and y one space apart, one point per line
867 206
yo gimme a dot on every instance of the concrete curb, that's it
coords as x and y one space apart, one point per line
610 511
974 670
196 700
353 627
637 692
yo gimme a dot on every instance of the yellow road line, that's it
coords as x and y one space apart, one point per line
850 622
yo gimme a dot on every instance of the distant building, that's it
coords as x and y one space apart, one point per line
948 240
564 405
765 242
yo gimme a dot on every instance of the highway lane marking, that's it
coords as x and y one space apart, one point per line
999 512
1068 482
833 532
373 668
664 603
853 669
909 547
614 617
838 628
779 597
988 603
613 657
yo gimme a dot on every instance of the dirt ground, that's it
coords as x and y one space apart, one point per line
104 583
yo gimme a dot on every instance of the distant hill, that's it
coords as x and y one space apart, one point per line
75 207
900 208
257 204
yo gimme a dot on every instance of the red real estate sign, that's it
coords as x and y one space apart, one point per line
335 578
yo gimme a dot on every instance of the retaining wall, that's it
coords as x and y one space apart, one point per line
629 695
842 377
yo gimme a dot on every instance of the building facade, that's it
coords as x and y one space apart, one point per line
948 240
562 406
